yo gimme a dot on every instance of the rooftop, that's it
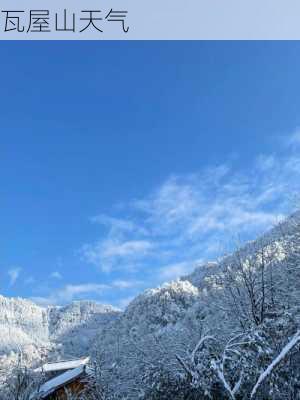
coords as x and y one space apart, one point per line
63 365
59 381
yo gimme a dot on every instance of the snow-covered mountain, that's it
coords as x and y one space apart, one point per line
38 330
276 239
73 327
22 324
167 320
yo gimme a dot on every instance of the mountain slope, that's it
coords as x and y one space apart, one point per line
254 289
35 330
76 325
22 323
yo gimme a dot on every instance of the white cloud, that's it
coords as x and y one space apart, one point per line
293 140
71 292
106 254
127 248
265 162
126 284
174 271
187 219
193 216
14 274
215 201
118 226
56 275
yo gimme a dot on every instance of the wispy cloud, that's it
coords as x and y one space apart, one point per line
69 292
126 284
294 139
14 274
192 216
186 220
118 226
174 271
109 253
56 275
72 292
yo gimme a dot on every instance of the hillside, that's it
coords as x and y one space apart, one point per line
34 330
252 294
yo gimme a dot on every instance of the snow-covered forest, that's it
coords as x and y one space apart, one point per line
230 330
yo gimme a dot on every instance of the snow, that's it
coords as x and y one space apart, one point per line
160 327
198 346
292 343
27 327
63 365
220 374
22 323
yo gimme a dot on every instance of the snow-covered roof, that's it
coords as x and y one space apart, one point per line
63 365
59 381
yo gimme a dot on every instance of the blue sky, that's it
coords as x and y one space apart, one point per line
123 165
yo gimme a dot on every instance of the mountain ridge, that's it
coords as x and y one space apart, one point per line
53 331
71 330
